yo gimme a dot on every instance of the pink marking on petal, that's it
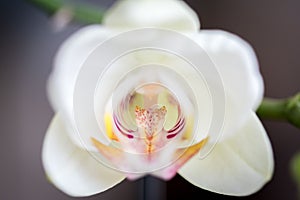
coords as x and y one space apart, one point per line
176 129
179 123
123 130
133 177
184 155
150 122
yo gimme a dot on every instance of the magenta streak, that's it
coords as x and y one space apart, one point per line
117 123
170 136
176 125
176 130
182 121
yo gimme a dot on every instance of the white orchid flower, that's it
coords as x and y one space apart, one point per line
148 92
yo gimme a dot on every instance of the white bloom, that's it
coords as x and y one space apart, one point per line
132 101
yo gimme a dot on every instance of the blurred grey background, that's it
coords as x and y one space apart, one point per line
28 45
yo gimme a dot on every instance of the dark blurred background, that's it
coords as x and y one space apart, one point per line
28 44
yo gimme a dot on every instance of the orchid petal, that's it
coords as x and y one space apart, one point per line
67 65
237 64
169 14
72 169
238 166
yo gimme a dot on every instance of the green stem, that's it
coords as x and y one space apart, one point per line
272 109
281 109
80 13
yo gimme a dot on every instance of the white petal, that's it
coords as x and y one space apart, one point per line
239 166
169 14
238 66
68 61
72 169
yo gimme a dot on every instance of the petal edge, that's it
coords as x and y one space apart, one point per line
234 167
72 169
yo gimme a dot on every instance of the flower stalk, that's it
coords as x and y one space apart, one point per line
281 109
81 13
153 188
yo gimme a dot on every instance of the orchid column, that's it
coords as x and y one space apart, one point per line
148 93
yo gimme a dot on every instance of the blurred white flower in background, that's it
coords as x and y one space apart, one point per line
149 110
